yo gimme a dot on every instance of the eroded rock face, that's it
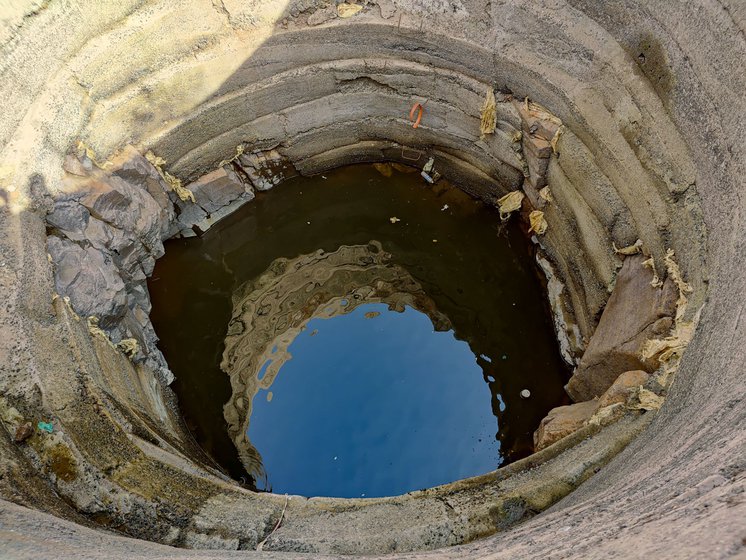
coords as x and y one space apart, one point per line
635 313
89 278
538 129
216 195
217 189
620 389
563 421
266 169
106 230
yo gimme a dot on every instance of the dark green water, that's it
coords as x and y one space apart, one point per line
396 350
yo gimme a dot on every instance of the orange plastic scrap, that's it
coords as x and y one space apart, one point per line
418 107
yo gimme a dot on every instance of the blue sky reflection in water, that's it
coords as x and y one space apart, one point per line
374 406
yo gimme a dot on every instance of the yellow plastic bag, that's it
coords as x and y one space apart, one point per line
538 223
510 203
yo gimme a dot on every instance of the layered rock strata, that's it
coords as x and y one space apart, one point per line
649 94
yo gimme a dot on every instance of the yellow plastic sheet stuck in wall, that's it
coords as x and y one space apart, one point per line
346 9
488 114
538 222
510 203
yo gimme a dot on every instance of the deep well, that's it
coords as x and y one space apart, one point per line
229 97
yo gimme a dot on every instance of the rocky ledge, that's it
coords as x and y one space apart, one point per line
107 226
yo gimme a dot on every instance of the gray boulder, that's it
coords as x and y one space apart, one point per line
89 279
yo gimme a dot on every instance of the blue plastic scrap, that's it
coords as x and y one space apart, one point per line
45 427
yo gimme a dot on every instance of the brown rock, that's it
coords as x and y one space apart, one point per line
537 151
534 124
536 147
634 313
23 432
73 165
537 168
134 168
562 421
620 389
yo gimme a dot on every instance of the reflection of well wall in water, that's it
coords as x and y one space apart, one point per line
270 312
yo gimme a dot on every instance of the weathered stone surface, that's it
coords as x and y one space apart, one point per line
635 312
126 207
108 228
322 15
217 189
70 218
217 194
188 214
136 170
387 8
207 222
620 389
538 129
116 217
266 169
102 236
537 164
563 421
536 147
533 123
647 86
89 278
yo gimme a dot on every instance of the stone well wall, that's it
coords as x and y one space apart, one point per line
650 99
